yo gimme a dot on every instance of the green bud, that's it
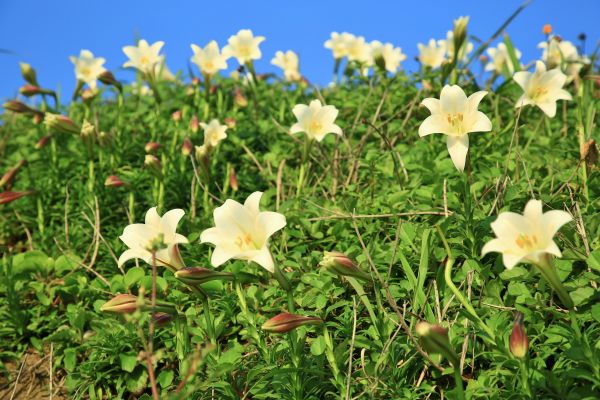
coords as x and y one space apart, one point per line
198 275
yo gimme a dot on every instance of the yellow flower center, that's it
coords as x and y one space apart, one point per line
144 60
209 65
244 242
456 120
538 93
86 71
526 242
315 126
244 51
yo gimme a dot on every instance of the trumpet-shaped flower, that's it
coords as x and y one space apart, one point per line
557 53
542 88
455 115
244 46
499 58
288 62
527 237
88 67
433 54
209 59
315 120
214 132
242 232
140 237
339 44
144 57
388 54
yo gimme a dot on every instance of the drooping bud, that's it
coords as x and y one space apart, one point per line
152 163
340 264
121 304
230 122
108 78
519 342
198 275
28 74
239 98
187 147
460 34
176 116
31 90
233 180
43 142
434 339
151 147
61 123
18 107
161 318
7 197
194 124
286 322
9 177
113 181
547 29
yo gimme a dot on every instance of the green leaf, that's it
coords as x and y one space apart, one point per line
580 295
70 359
128 361
165 378
593 261
317 347
133 276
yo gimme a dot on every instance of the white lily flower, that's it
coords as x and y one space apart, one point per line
138 237
455 115
162 71
242 232
244 46
88 67
542 88
209 59
339 44
288 62
432 55
464 51
527 237
499 57
556 51
391 56
358 49
214 132
144 57
315 120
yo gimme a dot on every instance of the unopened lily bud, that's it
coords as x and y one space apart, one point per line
176 116
198 275
230 122
547 29
162 319
43 142
31 90
460 32
108 78
152 163
286 322
239 98
87 95
201 152
434 339
195 81
194 124
28 74
17 107
484 59
151 147
121 304
114 181
9 177
519 342
61 123
340 264
187 147
38 117
233 180
7 197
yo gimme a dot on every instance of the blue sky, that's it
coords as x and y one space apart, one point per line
46 33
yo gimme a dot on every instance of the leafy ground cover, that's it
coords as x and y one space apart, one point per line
391 201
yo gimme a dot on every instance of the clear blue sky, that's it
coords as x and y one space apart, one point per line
45 33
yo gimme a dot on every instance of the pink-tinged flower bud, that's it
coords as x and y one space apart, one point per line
233 180
31 90
151 147
113 181
434 339
340 264
484 59
9 177
286 322
198 275
29 73
152 163
108 78
7 197
213 89
43 142
61 123
194 124
196 81
519 342
18 107
187 147
121 304
87 95
162 319
176 116
38 117
230 122
239 98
